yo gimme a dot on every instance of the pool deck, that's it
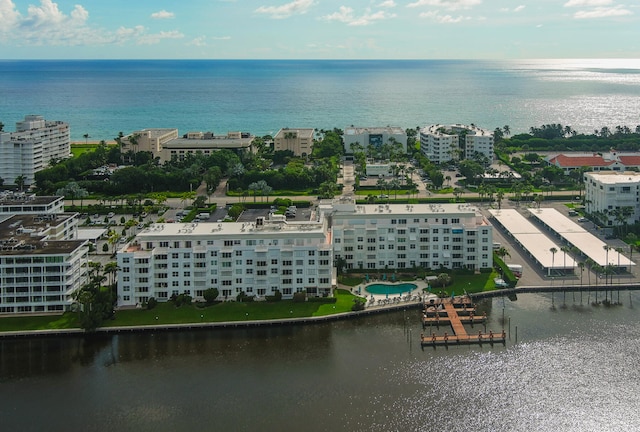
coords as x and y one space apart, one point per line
418 291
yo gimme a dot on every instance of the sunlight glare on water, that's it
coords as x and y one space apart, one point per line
564 383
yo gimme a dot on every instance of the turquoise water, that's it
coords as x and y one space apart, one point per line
103 97
379 288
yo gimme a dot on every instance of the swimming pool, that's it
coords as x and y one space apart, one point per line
379 288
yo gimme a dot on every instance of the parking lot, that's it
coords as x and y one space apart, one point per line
532 274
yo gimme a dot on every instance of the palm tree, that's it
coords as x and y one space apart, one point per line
499 197
590 264
553 251
111 269
581 265
631 239
503 252
506 129
86 138
606 248
564 250
619 250
20 181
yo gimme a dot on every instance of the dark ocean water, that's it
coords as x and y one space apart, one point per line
103 97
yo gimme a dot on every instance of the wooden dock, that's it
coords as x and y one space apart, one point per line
447 312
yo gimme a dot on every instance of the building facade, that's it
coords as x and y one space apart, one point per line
613 196
374 136
166 144
41 263
439 145
13 203
257 258
476 141
31 147
299 141
399 236
442 144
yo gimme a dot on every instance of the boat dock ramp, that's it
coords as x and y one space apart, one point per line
456 312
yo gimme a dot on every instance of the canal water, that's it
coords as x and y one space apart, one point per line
574 368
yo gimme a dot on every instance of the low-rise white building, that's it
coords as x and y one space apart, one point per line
41 263
31 147
406 236
613 196
257 258
297 140
166 144
374 136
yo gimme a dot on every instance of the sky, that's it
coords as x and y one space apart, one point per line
319 29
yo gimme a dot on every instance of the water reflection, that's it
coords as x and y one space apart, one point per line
572 369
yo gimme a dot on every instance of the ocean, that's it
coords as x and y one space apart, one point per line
103 97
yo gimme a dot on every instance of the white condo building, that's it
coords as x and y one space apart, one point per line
375 136
607 192
442 144
476 140
41 263
399 236
256 258
438 145
31 147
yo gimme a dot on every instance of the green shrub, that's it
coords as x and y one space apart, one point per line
300 297
277 296
152 303
358 305
211 295
322 299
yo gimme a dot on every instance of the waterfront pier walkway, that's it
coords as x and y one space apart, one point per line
456 312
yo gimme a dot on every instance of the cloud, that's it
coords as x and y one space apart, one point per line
163 14
155 38
46 25
602 12
387 4
199 41
519 8
296 7
447 4
580 3
346 15
443 19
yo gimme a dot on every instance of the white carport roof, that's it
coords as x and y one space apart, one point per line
537 244
574 234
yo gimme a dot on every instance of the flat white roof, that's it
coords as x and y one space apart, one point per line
537 244
90 233
574 234
280 229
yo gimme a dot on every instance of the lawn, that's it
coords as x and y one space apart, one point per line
167 313
47 322
470 283
78 149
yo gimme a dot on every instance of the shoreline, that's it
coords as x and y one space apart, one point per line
370 310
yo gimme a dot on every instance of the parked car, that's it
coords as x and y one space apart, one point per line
582 219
